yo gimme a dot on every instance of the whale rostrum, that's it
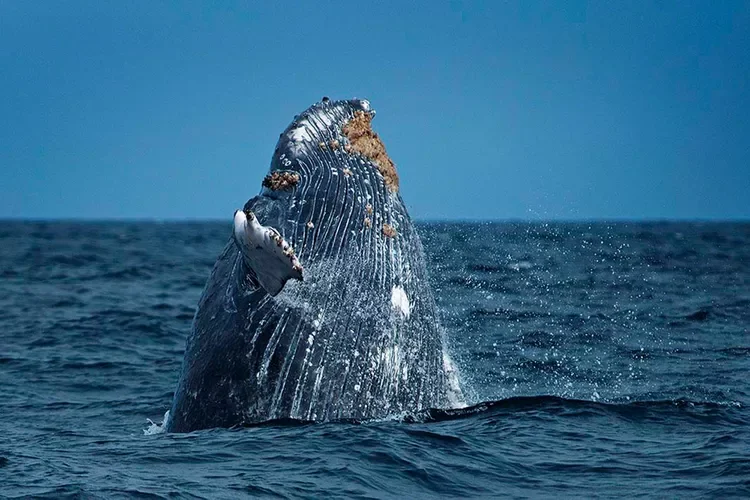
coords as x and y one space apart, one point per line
355 334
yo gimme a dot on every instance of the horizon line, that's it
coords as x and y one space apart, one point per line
582 220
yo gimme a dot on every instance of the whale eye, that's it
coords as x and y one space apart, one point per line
250 215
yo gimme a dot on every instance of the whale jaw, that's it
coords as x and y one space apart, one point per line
270 258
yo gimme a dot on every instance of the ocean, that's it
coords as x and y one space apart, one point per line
600 360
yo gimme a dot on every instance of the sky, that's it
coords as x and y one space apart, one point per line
490 110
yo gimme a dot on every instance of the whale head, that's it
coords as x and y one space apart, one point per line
355 334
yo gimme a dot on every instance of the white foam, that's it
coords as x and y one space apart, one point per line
391 360
520 266
455 394
155 428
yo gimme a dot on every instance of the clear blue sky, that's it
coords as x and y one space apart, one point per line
491 110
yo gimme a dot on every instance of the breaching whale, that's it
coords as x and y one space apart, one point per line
319 306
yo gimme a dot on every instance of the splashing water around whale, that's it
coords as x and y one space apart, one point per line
319 306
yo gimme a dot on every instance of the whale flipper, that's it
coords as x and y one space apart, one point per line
268 255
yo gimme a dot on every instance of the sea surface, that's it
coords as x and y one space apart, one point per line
601 360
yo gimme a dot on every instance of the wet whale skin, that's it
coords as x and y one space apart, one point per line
336 345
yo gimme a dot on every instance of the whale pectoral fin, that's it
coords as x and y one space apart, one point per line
270 258
275 264
251 280
274 283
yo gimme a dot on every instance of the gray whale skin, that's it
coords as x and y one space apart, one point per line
329 315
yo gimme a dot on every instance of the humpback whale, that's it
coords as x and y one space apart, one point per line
319 306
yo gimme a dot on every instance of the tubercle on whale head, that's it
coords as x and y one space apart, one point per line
281 181
389 231
364 141
332 126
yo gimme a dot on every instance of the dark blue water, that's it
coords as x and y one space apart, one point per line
603 359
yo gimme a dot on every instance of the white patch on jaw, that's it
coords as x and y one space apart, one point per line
400 301
300 134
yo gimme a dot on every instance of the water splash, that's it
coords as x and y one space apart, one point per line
155 428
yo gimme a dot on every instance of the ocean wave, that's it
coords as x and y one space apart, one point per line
634 411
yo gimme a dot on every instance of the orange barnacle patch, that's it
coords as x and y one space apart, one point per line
367 143
389 231
279 181
368 222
